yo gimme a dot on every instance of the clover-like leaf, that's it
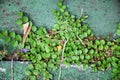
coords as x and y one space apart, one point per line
30 66
60 4
118 32
1 35
20 45
34 28
99 63
12 34
30 23
28 73
20 14
61 10
54 56
85 66
36 72
115 71
18 38
51 65
95 69
106 47
38 66
7 39
97 42
47 49
33 50
14 43
82 56
93 65
100 47
91 51
102 42
39 57
87 56
5 32
25 19
85 50
32 77
88 31
63 6
19 21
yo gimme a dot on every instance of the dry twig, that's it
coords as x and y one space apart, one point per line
81 41
12 70
62 58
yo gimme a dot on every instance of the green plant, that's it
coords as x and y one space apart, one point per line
46 48
118 30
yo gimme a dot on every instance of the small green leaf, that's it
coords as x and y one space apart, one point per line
30 66
91 51
36 72
18 38
38 66
30 23
95 46
115 71
39 32
19 21
93 65
14 43
100 47
109 59
85 66
34 28
80 51
25 19
81 56
63 6
97 42
106 47
87 56
12 34
61 10
85 35
114 58
88 31
28 73
66 13
54 56
102 42
33 50
114 64
5 32
47 49
59 4
118 32
119 26
1 35
99 63
32 77
39 56
21 45
7 39
51 65
108 65
73 57
85 50
20 14
95 69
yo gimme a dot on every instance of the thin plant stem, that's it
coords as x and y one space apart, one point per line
81 41
12 71
62 58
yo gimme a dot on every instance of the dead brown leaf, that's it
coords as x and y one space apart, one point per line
27 30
